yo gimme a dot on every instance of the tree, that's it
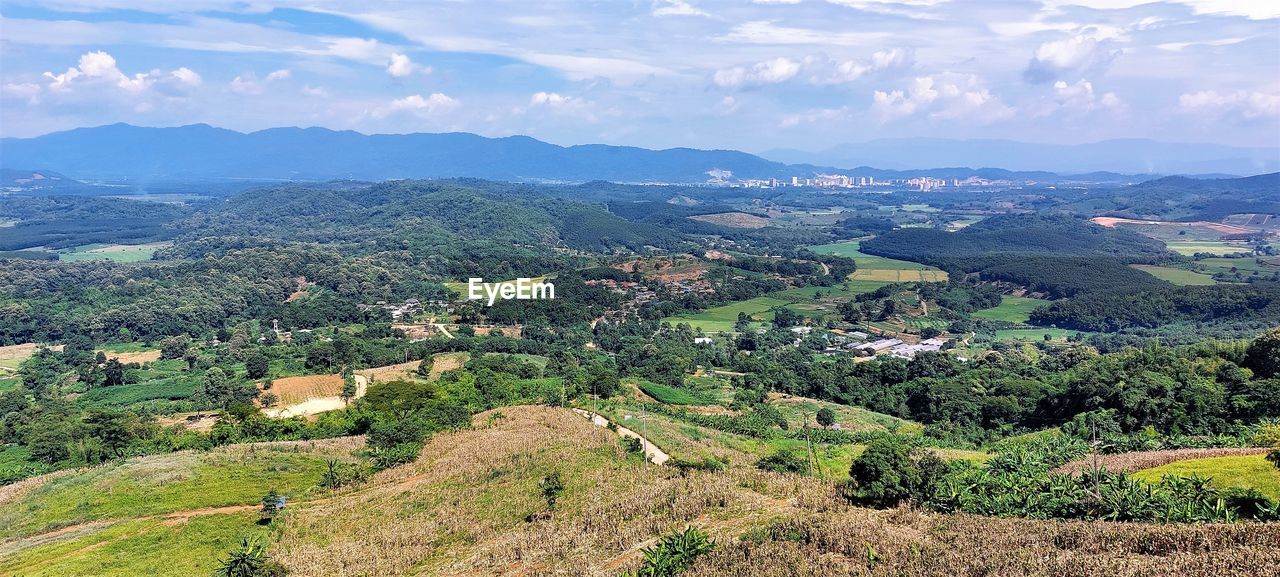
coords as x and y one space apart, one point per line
268 400
826 417
349 388
220 390
256 365
1263 355
884 474
174 347
272 503
424 367
114 372
552 487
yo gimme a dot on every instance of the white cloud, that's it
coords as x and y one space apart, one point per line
315 91
100 67
551 99
675 8
1180 46
249 85
187 77
1251 9
352 48
400 66
1076 99
727 105
851 70
25 90
814 116
417 104
1077 54
770 71
1241 104
943 96
766 32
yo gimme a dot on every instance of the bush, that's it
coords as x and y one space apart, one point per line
674 553
785 461
884 475
826 417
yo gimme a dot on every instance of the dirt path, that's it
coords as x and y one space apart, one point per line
318 405
440 327
655 455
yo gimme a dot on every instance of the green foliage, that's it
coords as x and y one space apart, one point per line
673 554
785 460
551 487
884 474
249 560
826 417
673 395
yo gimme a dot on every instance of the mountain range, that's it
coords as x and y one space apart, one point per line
122 152
1129 156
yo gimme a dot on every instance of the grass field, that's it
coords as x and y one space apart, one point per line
802 410
1251 471
1034 334
673 395
115 252
1246 266
1012 309
880 269
1191 247
172 388
722 318
1178 276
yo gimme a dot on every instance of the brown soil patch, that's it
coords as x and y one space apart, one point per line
139 357
733 220
202 422
22 351
388 373
294 390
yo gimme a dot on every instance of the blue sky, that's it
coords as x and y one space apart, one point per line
746 75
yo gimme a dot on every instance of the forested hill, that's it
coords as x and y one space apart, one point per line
1023 235
1180 198
404 213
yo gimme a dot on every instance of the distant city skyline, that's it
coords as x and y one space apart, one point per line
769 74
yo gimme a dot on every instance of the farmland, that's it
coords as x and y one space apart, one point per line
1013 309
880 269
1245 472
722 318
1181 277
114 252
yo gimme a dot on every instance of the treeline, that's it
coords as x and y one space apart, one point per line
1153 307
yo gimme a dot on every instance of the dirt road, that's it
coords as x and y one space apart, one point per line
654 454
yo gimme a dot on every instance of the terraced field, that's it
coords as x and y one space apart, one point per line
1246 472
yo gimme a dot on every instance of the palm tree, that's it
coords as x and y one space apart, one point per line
247 561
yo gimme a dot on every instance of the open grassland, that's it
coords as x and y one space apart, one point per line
801 410
1178 276
142 356
1037 334
470 505
846 289
674 395
164 484
1190 247
1246 265
880 269
722 318
113 252
1012 309
1245 472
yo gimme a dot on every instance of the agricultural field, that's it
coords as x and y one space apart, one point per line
801 410
1036 334
1012 309
1218 247
1245 266
722 318
675 395
1245 472
880 269
295 390
1178 276
733 220
114 252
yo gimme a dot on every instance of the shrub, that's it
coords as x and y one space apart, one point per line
785 461
552 487
674 553
826 417
884 475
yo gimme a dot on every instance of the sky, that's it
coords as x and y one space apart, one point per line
746 75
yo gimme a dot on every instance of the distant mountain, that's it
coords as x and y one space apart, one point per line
122 151
1132 156
149 157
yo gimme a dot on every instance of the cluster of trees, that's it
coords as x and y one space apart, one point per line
1113 311
1020 482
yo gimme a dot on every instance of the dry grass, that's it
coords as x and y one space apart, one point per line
295 390
400 371
1139 460
139 357
733 219
462 509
